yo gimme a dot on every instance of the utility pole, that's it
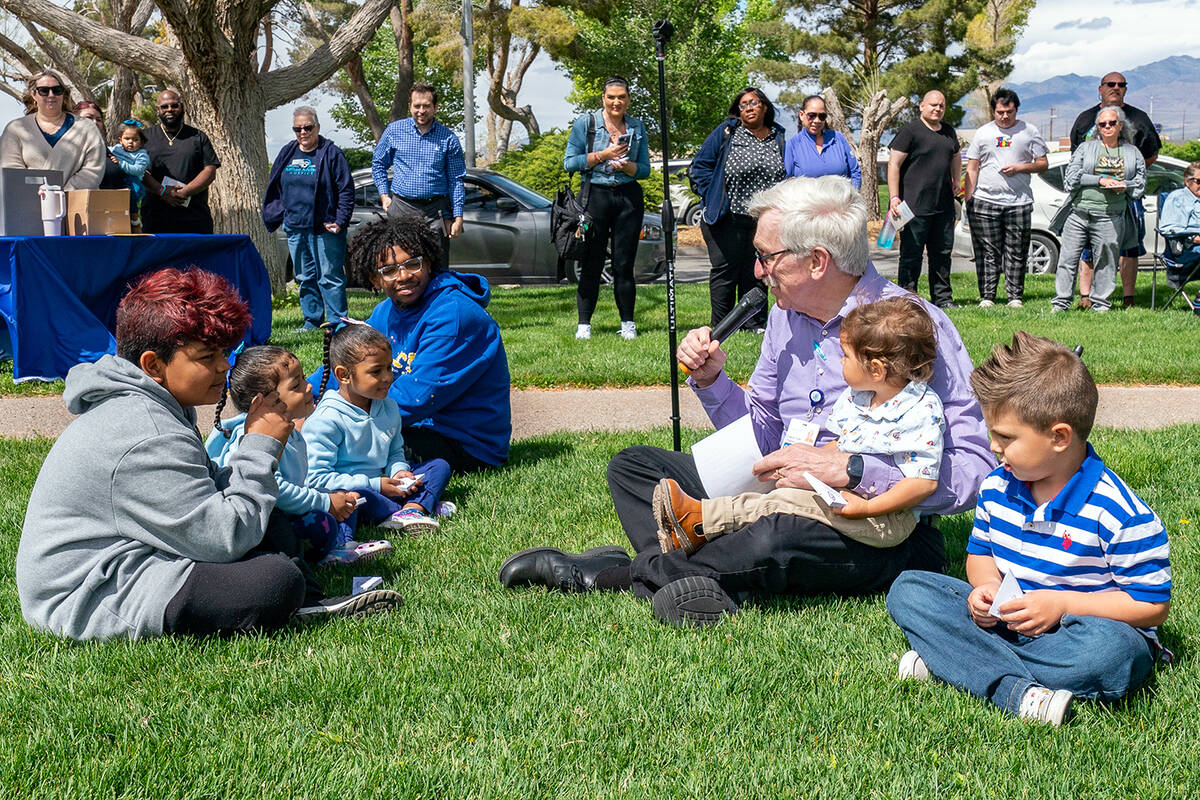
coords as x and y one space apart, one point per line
1050 133
468 34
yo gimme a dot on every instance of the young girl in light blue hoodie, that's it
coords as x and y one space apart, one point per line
315 515
355 444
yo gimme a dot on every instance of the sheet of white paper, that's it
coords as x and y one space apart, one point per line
407 482
829 494
903 216
724 460
168 181
1009 590
360 501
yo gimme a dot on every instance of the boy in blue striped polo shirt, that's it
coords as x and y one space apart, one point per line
1091 559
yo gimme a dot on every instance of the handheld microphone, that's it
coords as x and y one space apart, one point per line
750 304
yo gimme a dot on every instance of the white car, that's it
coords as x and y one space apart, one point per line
1164 175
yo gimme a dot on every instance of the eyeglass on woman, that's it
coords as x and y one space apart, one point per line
763 259
821 115
390 272
746 105
44 91
1108 123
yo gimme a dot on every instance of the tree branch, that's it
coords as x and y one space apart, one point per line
120 48
281 85
62 63
22 55
11 92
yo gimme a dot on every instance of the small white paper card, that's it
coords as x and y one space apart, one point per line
725 459
829 494
903 215
168 181
365 583
407 482
359 501
1009 590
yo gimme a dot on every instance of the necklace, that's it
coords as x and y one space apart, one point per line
43 123
170 139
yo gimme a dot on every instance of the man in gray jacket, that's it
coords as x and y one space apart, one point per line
131 530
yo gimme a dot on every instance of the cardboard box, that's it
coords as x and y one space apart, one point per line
93 212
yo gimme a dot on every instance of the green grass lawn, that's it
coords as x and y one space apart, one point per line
473 691
538 325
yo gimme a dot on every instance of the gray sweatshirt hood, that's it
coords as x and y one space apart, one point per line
89 385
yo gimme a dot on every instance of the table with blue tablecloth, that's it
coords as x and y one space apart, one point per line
59 294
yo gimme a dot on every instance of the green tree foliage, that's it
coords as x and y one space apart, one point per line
905 47
379 69
705 66
538 165
991 38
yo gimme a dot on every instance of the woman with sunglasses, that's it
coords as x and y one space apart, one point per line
817 150
743 156
311 193
48 138
1104 176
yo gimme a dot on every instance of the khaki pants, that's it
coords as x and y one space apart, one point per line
728 514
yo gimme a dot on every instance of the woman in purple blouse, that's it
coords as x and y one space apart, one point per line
817 150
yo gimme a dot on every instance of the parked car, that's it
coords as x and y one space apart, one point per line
684 203
506 232
1164 175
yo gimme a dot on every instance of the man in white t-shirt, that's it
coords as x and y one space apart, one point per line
1002 156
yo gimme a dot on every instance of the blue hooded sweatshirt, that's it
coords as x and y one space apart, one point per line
349 448
449 362
294 496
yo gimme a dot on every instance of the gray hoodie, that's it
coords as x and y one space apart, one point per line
125 503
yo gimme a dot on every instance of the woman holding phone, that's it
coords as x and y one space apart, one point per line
617 159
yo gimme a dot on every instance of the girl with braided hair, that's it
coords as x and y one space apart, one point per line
314 514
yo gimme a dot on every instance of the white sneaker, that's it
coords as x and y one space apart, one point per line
410 522
1015 304
584 331
986 304
912 667
358 605
628 329
1051 706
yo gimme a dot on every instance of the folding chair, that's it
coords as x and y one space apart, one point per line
1167 255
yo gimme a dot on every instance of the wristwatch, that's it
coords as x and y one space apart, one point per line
854 471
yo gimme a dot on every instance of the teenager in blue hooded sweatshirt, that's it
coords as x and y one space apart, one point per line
450 371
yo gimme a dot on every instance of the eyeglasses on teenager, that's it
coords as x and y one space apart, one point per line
390 272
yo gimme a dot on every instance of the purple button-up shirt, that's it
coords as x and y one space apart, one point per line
801 361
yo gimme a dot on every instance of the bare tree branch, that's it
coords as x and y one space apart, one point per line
123 48
22 55
11 92
288 83
269 41
62 62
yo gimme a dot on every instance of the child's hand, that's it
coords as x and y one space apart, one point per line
113 159
856 507
268 415
342 504
1035 612
404 475
980 600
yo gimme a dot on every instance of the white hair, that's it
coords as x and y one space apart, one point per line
1125 134
824 212
306 111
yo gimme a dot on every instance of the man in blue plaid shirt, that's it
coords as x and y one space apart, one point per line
427 166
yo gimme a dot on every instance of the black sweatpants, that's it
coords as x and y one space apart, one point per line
260 591
934 234
617 214
730 242
778 554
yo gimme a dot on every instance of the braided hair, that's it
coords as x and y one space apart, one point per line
348 345
256 370
409 232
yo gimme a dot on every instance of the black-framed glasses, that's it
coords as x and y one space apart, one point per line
1191 180
390 272
821 115
1116 84
1108 123
169 106
303 128
748 104
46 91
764 258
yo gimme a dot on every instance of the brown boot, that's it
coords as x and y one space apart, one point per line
679 518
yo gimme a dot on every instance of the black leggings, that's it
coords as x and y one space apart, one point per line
617 213
260 591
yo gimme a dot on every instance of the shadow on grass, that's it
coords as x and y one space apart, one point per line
528 452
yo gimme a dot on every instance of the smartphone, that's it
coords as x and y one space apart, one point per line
625 139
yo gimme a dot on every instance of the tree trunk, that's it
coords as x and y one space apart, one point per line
401 19
877 114
358 82
120 101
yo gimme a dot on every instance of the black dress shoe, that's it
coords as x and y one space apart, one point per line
695 600
567 572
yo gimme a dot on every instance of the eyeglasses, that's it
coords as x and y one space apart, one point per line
304 128
745 105
1115 84
1108 123
44 91
390 272
133 123
811 115
763 259
169 106
1191 180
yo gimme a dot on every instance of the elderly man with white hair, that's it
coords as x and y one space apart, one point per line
811 251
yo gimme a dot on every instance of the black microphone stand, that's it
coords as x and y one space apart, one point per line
662 32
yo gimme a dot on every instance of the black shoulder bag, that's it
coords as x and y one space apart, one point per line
569 219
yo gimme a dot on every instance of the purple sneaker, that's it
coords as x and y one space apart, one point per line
411 522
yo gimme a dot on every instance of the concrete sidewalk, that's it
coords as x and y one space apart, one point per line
535 411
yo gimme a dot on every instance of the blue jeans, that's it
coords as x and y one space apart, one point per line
379 507
318 261
1095 657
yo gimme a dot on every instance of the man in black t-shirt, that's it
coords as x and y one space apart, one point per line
1113 87
182 165
922 171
